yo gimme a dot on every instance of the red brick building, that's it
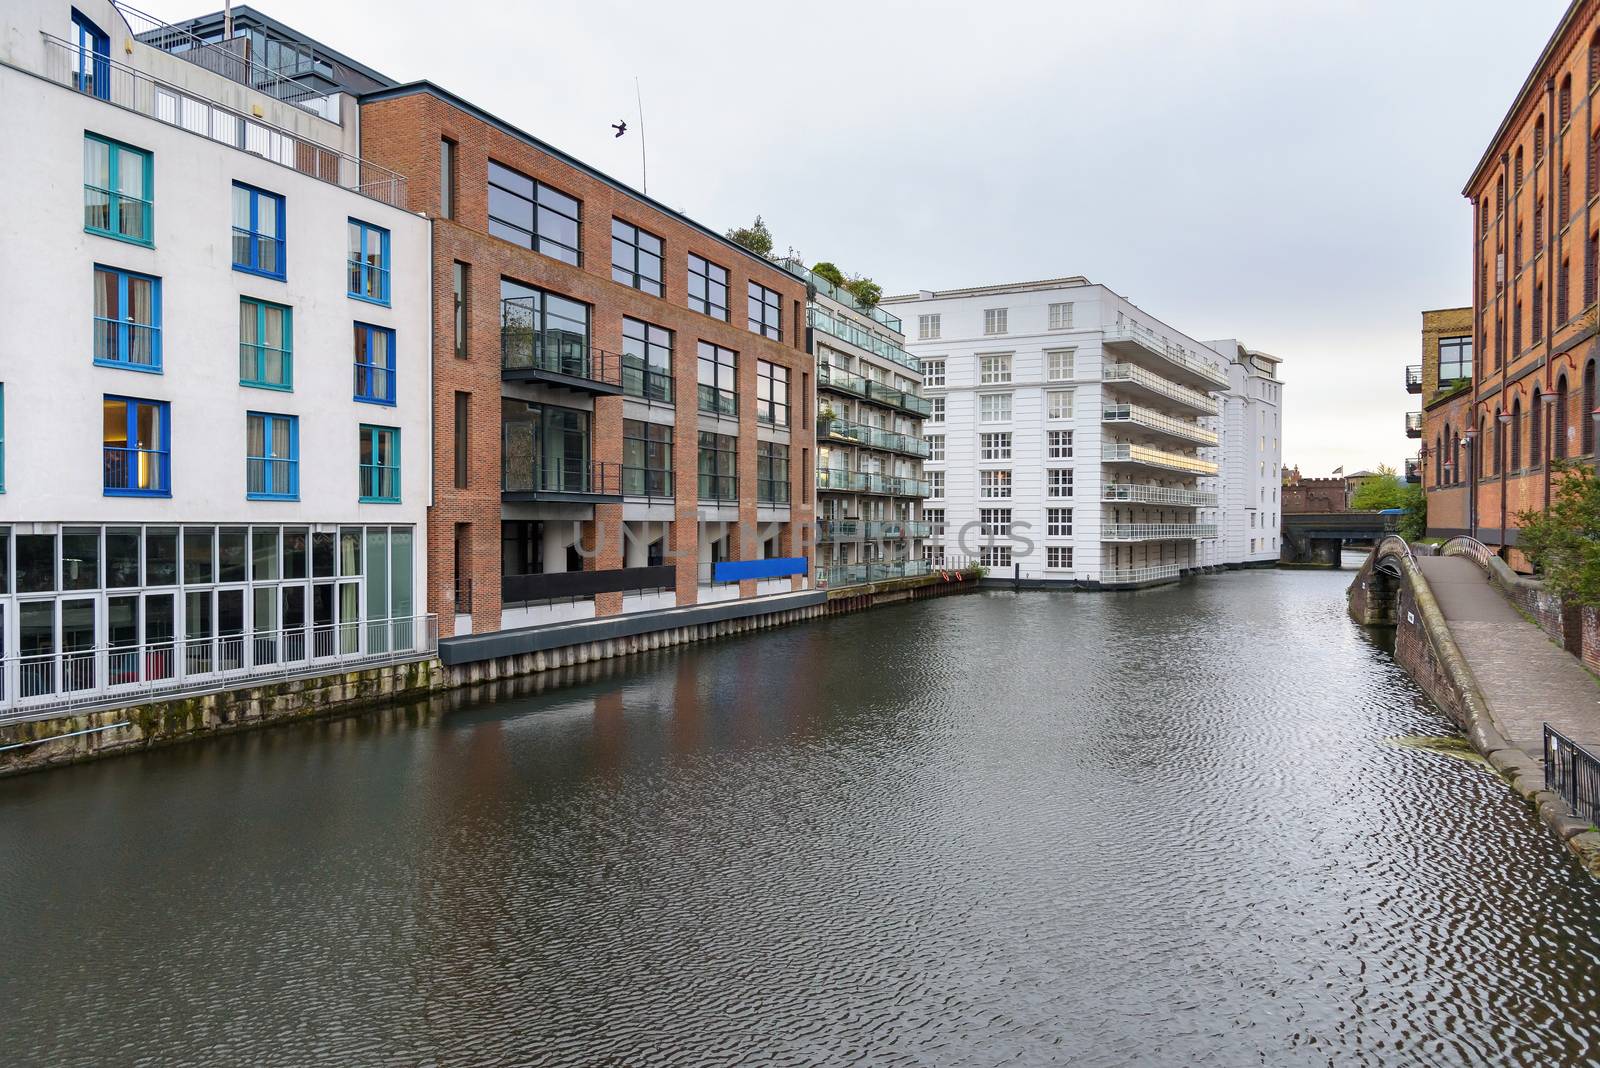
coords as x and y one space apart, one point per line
622 398
1443 380
1536 254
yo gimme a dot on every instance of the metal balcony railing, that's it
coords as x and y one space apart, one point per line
837 575
1414 378
1154 421
1152 573
872 436
133 89
829 479
845 330
1168 461
843 296
1414 469
560 475
1127 374
1156 531
1413 424
1129 333
1168 495
526 350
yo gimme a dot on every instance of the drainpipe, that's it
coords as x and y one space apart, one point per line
1500 460
1472 486
1547 441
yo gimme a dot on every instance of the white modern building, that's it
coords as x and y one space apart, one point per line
1252 458
1074 437
214 371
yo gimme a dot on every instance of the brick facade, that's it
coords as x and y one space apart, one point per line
1446 415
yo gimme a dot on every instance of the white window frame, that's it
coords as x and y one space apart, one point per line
935 485
1058 522
928 327
994 522
1058 479
936 413
995 321
1053 553
935 447
1058 445
933 372
989 405
1061 316
994 556
994 446
1059 365
994 485
1055 400
994 369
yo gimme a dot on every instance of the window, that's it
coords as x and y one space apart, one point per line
533 215
635 257
1563 284
935 446
934 517
1565 101
257 231
995 556
272 457
118 190
266 346
933 372
719 468
936 413
928 327
772 394
935 484
127 319
718 376
772 472
1516 180
994 321
91 63
994 521
1058 404
369 262
458 285
993 447
994 408
994 370
374 364
1058 482
646 458
1058 365
708 288
541 330
1586 422
646 360
463 432
380 464
138 447
994 484
1058 557
766 311
1059 444
1061 316
447 178
1058 522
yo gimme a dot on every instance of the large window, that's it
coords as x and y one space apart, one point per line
994 556
266 348
772 472
272 457
719 467
533 215
1058 365
374 364
379 450
258 231
928 327
994 522
1061 316
138 447
935 446
369 262
766 311
1058 558
91 60
1058 482
772 394
546 448
646 458
635 257
718 379
1455 359
118 196
127 319
708 288
1058 522
994 408
994 370
1058 404
543 331
933 372
646 360
994 320
993 447
1059 445
994 484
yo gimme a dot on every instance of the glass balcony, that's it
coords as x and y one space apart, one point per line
560 479
1167 495
837 481
832 378
1140 344
1152 385
1153 421
1414 378
646 482
1413 424
845 330
838 430
843 296
1146 456
1157 531
832 577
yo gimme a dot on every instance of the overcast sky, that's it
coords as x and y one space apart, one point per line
1288 174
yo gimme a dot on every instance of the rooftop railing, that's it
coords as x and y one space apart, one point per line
845 330
135 90
1144 454
843 296
1150 419
1132 374
1180 498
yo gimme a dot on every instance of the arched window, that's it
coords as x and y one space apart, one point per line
1536 430
1483 218
1594 61
1558 427
1455 459
1500 194
1499 444
1587 414
1538 140
1480 466
1438 455
1565 98
1516 172
1516 435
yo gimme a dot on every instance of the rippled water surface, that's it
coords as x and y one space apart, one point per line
1155 828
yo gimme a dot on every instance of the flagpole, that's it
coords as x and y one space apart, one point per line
644 165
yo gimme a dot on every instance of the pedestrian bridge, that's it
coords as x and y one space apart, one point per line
1318 537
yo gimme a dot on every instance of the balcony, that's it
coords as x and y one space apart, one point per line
872 530
859 574
1414 378
1141 345
559 480
1413 424
843 296
564 585
845 330
871 436
553 357
719 489
1157 531
1170 496
1152 385
136 91
1153 421
837 381
1414 470
836 481
1145 456
1131 576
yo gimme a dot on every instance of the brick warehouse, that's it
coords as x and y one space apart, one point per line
1444 381
1536 254
507 530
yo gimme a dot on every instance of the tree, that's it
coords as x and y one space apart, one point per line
1382 490
755 237
1563 541
865 290
830 272
1414 524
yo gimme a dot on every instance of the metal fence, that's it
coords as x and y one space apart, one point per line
1471 548
1572 772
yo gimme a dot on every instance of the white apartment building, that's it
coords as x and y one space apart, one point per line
1252 458
1074 437
870 448
214 371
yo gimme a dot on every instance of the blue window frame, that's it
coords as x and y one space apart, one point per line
257 231
266 344
374 364
369 262
118 190
127 319
138 447
272 460
91 64
380 464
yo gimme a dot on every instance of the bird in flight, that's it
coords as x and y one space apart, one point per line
620 127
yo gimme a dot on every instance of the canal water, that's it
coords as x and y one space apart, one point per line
1170 827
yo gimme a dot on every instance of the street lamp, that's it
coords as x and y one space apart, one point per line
1504 419
1547 445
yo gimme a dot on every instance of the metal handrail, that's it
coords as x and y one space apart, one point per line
1123 452
1141 574
1573 773
1156 531
1150 419
1133 374
1182 498
1470 547
1151 342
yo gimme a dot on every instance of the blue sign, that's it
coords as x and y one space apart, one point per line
776 567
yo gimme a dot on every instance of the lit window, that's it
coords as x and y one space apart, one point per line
994 484
138 447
